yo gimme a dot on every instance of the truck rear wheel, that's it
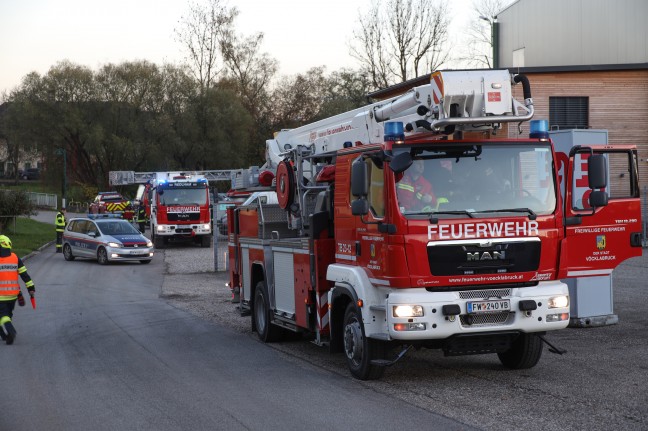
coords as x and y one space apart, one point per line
359 349
524 353
261 315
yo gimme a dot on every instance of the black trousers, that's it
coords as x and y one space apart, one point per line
7 308
59 242
142 226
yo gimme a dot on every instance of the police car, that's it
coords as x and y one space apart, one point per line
106 239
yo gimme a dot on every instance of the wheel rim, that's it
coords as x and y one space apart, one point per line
103 257
66 251
353 347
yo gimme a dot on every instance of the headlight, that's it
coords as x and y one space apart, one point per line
149 244
114 244
559 302
408 311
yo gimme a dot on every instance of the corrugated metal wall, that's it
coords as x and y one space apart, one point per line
574 32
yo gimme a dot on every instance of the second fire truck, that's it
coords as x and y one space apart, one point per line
407 223
178 205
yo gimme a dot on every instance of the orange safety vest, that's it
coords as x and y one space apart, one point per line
9 276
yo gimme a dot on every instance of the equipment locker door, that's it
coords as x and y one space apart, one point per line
598 240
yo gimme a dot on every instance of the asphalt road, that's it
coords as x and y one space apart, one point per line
105 350
599 384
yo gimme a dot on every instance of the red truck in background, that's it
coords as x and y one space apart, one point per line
408 224
111 203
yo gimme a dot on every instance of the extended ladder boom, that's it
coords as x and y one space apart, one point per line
452 101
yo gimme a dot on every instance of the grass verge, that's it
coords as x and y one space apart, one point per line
28 235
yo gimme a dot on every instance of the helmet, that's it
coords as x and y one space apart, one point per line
5 242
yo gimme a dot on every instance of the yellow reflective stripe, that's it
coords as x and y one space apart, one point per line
419 196
22 269
406 187
30 283
441 201
5 319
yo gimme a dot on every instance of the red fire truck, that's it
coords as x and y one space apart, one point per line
178 206
408 223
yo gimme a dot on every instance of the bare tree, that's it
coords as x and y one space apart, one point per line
401 39
249 68
479 35
201 32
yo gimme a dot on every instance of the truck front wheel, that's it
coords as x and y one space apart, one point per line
525 352
359 349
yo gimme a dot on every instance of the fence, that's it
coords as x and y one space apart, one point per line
43 200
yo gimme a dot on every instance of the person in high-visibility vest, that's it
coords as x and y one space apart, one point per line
414 191
141 218
10 268
60 227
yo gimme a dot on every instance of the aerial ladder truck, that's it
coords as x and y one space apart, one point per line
409 223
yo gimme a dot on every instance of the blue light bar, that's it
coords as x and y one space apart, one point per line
394 131
539 129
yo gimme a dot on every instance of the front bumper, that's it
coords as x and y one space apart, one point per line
434 324
183 229
129 254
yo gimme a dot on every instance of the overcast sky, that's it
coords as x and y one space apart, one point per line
300 34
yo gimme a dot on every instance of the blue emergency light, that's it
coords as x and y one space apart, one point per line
394 131
539 129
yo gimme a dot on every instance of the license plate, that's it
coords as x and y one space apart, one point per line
488 306
138 253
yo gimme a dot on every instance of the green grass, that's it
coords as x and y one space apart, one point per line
29 235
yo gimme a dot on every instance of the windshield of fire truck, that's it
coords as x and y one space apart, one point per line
465 179
183 196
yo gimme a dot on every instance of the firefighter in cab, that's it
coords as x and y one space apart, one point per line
10 268
141 218
414 191
60 227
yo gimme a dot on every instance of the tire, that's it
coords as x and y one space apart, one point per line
359 349
261 316
158 242
525 352
206 241
145 261
67 252
102 256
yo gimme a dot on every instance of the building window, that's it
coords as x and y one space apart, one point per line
568 113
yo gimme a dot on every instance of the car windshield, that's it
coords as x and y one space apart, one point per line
184 196
463 180
117 227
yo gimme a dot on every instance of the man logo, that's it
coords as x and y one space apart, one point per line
486 255
600 242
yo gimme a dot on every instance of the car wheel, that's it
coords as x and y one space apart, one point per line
158 242
206 241
359 349
102 256
67 252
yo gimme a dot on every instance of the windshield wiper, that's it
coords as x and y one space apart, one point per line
435 220
532 215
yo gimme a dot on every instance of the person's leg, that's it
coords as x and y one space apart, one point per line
6 313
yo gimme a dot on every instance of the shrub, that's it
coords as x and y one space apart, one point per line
12 204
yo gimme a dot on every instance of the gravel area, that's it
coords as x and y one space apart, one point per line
598 385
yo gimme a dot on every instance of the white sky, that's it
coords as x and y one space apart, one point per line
300 34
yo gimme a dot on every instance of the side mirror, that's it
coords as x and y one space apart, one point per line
359 179
400 162
597 171
360 207
598 198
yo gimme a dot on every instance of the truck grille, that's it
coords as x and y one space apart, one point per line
486 319
485 294
486 257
